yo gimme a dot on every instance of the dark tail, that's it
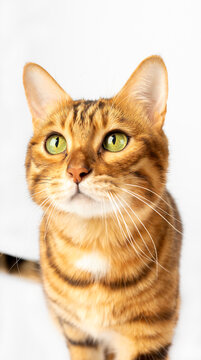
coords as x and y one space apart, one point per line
20 267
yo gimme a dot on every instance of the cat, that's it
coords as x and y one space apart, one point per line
110 236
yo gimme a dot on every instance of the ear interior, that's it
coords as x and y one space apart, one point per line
147 86
42 91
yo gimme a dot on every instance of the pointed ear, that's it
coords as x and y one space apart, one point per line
147 87
42 92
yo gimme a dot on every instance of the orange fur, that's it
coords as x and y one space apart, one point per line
111 278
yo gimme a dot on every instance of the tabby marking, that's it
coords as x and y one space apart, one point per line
111 233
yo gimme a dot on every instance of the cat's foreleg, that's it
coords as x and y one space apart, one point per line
80 345
139 347
85 352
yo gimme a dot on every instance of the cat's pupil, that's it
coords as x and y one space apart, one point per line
113 139
57 141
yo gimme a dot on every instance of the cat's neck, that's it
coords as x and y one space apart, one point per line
108 234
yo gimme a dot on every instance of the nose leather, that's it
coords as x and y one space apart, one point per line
77 173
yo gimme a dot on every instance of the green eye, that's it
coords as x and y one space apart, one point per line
115 142
55 144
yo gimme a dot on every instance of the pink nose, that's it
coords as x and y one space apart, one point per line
78 173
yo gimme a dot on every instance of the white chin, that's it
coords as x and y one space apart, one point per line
86 207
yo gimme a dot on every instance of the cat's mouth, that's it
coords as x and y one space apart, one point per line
79 194
83 201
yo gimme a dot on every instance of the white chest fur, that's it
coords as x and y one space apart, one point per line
94 263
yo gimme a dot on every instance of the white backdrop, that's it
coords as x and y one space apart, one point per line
91 47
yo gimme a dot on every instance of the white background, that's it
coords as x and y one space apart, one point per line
91 48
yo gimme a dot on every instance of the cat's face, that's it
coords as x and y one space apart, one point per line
92 158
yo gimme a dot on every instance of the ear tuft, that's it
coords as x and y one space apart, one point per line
42 91
148 86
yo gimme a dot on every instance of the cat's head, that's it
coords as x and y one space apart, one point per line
94 157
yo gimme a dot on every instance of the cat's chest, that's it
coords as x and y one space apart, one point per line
92 315
81 284
89 308
94 263
74 288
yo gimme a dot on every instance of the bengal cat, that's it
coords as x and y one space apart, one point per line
111 233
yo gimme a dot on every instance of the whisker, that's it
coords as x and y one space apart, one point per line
39 192
114 208
152 240
134 223
18 269
46 210
151 191
121 227
44 202
15 264
112 215
158 207
136 196
131 237
106 229
144 254
53 204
